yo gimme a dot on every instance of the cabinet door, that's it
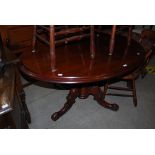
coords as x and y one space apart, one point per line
20 37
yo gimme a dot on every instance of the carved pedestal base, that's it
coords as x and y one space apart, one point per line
83 93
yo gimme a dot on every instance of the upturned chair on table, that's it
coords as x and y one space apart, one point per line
58 35
115 29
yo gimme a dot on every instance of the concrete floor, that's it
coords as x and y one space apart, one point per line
87 114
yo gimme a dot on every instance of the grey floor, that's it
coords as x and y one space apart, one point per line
87 114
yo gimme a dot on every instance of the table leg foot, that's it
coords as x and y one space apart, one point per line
56 116
73 94
99 97
111 106
84 93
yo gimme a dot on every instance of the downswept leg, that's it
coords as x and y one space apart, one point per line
99 97
73 94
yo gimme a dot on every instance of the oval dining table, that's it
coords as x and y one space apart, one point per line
75 67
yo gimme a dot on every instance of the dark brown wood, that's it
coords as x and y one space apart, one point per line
129 34
130 79
148 35
13 109
44 27
43 39
71 39
18 38
53 41
92 41
112 40
83 93
134 93
47 28
66 40
52 48
72 30
73 94
34 39
115 30
75 66
132 89
70 33
107 28
73 61
119 88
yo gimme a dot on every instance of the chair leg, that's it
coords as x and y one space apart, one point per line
105 89
129 84
134 93
144 73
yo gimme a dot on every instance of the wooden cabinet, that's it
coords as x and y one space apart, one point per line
13 110
18 38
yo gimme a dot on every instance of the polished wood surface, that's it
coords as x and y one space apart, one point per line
112 40
52 37
74 64
18 38
13 109
83 93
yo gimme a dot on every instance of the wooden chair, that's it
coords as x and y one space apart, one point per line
138 29
131 78
58 35
115 29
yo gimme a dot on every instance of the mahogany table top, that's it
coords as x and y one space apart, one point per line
74 64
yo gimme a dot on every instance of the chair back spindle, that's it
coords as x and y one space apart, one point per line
59 35
92 41
112 40
52 48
